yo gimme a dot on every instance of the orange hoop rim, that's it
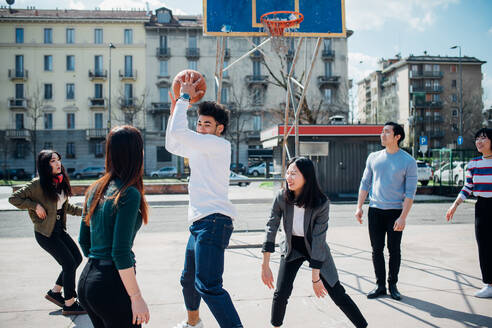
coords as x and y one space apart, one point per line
277 27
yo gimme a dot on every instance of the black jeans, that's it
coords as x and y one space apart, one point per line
285 280
64 250
104 297
381 223
483 233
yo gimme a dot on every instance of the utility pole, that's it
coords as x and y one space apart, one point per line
461 88
111 46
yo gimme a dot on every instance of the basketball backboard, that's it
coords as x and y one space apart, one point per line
322 18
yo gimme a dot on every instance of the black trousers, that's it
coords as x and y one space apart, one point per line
64 250
104 297
483 233
285 280
381 224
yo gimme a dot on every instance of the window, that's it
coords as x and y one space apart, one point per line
70 150
428 84
163 122
427 67
257 123
70 91
256 40
48 63
454 98
164 95
192 41
98 149
98 91
19 35
224 96
428 97
128 94
19 91
452 68
453 83
163 155
256 68
98 65
70 63
193 64
48 35
19 65
20 150
48 145
163 41
98 36
48 121
436 97
436 68
70 35
19 121
225 73
163 68
70 120
415 68
327 93
48 91
98 120
128 36
128 66
455 112
328 69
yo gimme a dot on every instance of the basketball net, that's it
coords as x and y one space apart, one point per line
276 24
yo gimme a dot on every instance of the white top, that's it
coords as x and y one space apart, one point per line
61 199
298 224
210 158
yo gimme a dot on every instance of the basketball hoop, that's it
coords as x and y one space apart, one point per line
276 23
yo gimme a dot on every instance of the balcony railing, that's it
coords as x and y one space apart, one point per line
428 104
97 103
128 75
436 89
160 107
96 133
256 79
98 75
163 53
18 134
421 74
438 119
328 54
192 53
17 103
15 75
324 81
386 82
127 103
257 55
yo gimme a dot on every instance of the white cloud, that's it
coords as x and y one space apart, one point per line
372 15
361 65
487 90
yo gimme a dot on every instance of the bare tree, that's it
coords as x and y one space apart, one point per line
237 132
130 109
4 151
36 103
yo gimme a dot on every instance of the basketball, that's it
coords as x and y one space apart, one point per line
196 75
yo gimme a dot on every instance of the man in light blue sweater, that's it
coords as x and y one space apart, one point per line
390 180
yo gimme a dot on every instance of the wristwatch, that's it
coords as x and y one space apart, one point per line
185 97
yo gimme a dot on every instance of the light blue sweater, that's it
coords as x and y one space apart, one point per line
389 178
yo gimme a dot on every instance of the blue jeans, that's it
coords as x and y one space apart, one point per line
204 266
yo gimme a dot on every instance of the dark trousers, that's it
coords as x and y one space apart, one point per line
64 250
285 281
204 266
104 297
381 224
483 233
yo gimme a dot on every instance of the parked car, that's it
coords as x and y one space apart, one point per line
165 172
237 179
238 168
448 173
259 169
424 172
89 172
15 174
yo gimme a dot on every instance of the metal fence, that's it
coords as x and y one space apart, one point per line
449 165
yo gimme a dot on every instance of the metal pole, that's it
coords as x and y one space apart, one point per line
461 93
111 46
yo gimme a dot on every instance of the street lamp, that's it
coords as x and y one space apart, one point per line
461 89
111 46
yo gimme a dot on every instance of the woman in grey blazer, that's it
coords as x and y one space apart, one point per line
304 209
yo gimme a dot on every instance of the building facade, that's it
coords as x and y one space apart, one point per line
423 94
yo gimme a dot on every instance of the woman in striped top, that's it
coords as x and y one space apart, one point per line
479 182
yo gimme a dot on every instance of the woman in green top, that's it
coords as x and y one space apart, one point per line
114 209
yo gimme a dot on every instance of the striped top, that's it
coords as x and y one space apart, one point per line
478 178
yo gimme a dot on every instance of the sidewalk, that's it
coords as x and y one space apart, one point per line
438 277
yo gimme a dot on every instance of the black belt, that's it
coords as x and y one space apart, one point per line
101 262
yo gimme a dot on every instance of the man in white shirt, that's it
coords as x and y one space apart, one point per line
210 212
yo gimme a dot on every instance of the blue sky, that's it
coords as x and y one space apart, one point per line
382 28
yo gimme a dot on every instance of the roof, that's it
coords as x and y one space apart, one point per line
70 14
443 59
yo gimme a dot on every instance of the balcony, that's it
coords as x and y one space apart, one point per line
97 103
256 79
433 89
328 54
127 103
127 75
17 103
386 82
98 75
256 55
437 134
422 74
23 134
192 53
163 53
253 134
438 119
15 75
96 133
428 104
160 107
328 81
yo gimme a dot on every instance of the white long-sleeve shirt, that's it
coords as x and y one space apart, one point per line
210 158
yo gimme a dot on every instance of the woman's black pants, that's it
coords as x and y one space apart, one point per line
483 233
104 297
64 250
285 280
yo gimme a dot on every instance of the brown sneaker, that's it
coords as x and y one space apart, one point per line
74 309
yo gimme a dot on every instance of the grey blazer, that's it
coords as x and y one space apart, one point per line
315 227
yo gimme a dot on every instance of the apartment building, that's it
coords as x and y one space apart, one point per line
423 94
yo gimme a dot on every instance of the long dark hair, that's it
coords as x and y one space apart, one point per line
124 160
45 172
311 195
